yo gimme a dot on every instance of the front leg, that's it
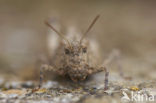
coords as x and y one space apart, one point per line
104 68
106 77
43 68
114 55
101 69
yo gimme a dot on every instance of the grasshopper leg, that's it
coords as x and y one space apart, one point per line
43 68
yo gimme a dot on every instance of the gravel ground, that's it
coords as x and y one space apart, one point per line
91 90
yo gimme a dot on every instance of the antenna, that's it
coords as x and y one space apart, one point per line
57 32
89 28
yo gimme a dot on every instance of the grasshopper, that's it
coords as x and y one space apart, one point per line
74 59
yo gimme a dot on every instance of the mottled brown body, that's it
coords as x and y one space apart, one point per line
76 59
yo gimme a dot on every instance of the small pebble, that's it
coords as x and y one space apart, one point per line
50 84
134 88
28 84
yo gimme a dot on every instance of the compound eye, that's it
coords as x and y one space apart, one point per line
67 51
84 50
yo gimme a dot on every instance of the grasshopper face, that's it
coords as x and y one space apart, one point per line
76 61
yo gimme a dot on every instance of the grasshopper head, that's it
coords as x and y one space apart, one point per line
76 55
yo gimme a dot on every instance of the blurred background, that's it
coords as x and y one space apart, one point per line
129 26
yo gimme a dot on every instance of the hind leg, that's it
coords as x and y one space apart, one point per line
115 56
